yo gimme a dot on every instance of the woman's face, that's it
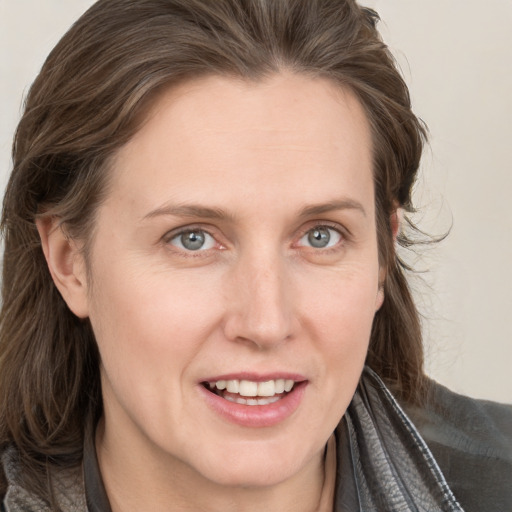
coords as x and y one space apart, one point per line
236 249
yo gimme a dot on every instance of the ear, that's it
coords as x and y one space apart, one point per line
66 264
379 300
395 223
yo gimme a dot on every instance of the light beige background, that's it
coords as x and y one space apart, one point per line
456 56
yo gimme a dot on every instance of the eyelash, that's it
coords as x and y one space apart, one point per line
182 251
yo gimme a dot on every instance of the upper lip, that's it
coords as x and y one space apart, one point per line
256 377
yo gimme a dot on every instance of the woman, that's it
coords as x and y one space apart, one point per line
203 308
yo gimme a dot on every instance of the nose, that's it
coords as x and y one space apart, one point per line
260 303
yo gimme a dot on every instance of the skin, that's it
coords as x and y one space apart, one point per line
272 160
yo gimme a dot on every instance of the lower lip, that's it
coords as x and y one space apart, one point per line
256 416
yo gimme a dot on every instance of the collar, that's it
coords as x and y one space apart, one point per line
383 462
95 494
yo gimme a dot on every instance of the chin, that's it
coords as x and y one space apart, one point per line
250 476
256 467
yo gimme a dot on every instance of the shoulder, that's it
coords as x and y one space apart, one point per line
15 496
67 487
471 441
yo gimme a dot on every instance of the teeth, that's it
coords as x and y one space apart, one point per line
248 388
232 386
280 386
267 388
252 401
288 385
252 389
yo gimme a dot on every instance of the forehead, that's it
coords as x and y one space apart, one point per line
218 134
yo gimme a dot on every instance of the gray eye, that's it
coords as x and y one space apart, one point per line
193 240
321 237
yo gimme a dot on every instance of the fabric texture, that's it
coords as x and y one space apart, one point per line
68 485
471 441
454 454
384 464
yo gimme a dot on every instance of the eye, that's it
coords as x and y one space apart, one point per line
320 237
193 240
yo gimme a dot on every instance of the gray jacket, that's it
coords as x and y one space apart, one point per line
452 455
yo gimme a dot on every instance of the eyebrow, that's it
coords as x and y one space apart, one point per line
189 210
195 210
340 204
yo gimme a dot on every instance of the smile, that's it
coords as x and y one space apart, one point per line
247 392
250 402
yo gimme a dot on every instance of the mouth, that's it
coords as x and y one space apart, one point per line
251 393
250 400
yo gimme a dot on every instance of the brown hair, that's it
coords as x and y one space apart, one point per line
89 99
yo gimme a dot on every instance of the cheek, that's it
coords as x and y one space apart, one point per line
150 328
344 300
340 315
149 324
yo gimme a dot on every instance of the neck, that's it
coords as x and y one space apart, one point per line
136 479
